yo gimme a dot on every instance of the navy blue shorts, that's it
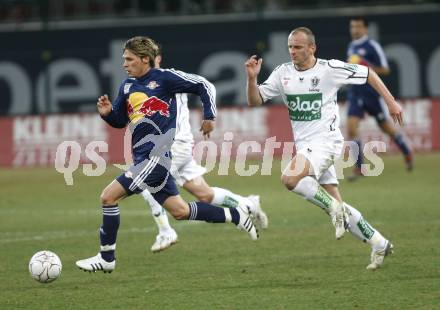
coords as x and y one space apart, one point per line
357 106
149 175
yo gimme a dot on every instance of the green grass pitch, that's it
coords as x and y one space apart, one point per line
296 264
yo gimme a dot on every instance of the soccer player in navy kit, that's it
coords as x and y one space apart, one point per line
188 174
363 98
146 102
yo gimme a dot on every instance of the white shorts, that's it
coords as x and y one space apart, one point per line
183 166
322 156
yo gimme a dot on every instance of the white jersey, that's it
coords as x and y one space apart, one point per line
183 166
311 96
183 127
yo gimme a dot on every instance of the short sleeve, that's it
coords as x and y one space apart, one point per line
344 73
271 87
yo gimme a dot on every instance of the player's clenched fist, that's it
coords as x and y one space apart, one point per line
206 128
253 66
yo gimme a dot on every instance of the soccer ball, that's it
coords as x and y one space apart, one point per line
45 266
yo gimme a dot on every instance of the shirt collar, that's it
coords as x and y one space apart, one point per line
360 40
146 75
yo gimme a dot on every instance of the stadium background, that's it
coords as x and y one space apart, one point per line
61 56
57 57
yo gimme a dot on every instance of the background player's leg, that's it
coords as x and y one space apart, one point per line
398 138
221 197
353 135
200 189
166 236
159 213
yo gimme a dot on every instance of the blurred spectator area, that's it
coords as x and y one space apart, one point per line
18 11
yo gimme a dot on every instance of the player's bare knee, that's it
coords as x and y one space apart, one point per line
106 199
206 197
352 129
289 182
180 216
179 213
351 132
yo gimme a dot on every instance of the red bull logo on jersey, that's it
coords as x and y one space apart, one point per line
153 105
130 110
140 105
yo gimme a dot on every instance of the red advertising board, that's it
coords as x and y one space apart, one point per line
33 140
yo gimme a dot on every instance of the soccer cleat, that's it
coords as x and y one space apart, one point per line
257 213
377 257
409 162
245 223
338 216
96 263
164 241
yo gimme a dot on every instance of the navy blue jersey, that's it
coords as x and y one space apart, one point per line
148 105
371 52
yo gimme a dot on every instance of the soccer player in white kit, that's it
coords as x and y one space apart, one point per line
309 88
189 175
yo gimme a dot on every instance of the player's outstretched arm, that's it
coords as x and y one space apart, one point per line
394 108
253 67
381 70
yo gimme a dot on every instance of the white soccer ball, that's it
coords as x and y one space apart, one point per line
45 266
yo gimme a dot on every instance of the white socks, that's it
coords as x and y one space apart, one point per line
310 189
226 198
360 228
159 213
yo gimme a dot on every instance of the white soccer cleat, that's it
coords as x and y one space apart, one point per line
377 257
337 215
245 223
164 241
96 263
258 214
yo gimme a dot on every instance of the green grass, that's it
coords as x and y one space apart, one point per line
296 264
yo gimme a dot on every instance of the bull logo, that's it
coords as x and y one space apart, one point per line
140 105
153 105
129 108
153 85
